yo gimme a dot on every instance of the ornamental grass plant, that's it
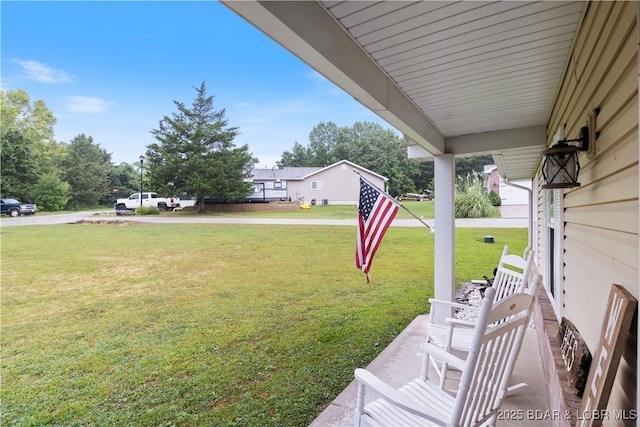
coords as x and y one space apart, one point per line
147 210
472 199
203 324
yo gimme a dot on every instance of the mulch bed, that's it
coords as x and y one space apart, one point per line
107 222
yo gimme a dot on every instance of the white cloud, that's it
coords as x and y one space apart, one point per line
85 104
316 76
322 83
257 114
41 73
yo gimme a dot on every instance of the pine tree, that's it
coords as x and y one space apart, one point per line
195 154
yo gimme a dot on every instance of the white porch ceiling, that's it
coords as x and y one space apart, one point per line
465 78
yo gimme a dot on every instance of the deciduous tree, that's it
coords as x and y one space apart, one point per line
86 169
19 166
51 193
123 180
365 143
26 128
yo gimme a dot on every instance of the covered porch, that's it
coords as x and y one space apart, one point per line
507 79
399 363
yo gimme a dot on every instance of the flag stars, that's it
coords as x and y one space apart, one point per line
368 197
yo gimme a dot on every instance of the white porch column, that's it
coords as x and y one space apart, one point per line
444 253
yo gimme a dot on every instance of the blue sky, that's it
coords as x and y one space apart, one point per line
111 70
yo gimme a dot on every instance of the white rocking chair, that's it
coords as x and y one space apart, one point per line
496 342
454 335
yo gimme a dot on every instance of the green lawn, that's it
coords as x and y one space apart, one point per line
421 209
190 325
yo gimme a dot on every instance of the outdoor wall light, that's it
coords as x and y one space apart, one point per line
561 166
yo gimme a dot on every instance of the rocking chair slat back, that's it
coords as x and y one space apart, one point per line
490 362
512 274
485 374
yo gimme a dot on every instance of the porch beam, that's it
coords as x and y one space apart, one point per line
492 142
309 32
418 153
529 141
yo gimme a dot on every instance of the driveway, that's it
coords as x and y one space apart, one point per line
66 218
70 218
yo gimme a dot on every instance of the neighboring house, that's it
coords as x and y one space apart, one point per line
514 196
509 79
492 178
272 184
336 184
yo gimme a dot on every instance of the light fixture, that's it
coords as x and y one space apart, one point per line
561 166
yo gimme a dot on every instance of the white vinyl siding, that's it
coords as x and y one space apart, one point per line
335 184
601 216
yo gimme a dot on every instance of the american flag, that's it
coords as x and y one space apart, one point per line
375 213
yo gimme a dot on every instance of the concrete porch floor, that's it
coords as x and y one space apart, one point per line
398 364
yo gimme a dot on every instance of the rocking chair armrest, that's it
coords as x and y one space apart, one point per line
451 304
460 322
390 394
443 355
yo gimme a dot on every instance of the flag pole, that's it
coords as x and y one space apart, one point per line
400 204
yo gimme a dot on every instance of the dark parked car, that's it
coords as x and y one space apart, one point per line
14 208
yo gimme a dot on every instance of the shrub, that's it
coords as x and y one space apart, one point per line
472 201
494 198
147 210
50 193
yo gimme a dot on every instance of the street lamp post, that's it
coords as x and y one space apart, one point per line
141 157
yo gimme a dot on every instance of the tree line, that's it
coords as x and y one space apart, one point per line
378 149
193 154
37 168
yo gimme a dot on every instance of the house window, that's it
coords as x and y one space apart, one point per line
554 232
277 184
316 185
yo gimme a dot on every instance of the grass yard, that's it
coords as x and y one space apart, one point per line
191 325
422 209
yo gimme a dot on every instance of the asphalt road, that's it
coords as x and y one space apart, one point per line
70 218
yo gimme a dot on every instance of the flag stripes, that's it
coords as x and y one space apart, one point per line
376 211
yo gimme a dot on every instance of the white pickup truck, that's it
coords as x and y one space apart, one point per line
148 199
